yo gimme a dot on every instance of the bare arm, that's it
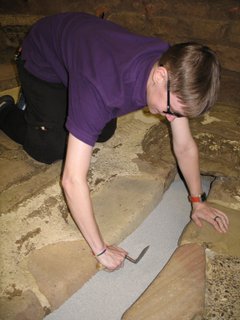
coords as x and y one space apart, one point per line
77 193
186 152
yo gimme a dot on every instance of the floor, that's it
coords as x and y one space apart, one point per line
108 295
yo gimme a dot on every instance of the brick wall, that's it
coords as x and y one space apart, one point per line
215 23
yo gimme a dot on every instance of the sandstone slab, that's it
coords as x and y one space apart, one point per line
224 195
226 192
21 306
13 171
228 243
222 293
25 181
60 269
177 293
218 137
116 211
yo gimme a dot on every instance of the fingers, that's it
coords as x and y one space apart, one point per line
215 217
117 250
112 259
220 223
223 216
219 220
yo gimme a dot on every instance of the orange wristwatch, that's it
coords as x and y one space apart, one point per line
198 198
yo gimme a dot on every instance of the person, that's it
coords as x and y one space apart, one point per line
78 74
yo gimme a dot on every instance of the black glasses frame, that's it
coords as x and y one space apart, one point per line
175 114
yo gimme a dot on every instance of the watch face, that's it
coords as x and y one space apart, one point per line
203 197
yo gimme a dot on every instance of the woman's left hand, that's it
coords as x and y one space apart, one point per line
203 211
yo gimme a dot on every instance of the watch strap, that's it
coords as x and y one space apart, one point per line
198 198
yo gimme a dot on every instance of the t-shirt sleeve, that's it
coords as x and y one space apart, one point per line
87 115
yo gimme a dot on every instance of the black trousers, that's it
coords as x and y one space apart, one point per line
40 128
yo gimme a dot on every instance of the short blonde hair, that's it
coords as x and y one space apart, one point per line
194 74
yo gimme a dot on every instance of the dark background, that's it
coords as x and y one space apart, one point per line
215 23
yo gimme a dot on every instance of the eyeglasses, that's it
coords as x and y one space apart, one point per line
175 114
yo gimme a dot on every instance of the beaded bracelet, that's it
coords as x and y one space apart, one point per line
102 252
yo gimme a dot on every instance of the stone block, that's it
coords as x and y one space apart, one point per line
224 244
201 30
179 29
119 218
178 9
26 182
229 91
19 19
168 26
191 8
207 30
14 171
234 32
134 22
156 145
229 56
203 9
226 192
21 306
222 293
60 269
217 135
177 293
224 10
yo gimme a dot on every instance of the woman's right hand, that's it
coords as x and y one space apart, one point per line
113 258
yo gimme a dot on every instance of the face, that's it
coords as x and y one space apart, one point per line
159 98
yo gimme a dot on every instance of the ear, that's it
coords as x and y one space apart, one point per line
160 75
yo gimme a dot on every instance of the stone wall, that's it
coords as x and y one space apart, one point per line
214 23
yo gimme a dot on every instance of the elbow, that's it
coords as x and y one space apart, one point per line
68 183
66 186
72 184
65 183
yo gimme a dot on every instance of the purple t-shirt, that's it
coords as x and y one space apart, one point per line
104 66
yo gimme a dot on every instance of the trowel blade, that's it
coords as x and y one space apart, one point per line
139 257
